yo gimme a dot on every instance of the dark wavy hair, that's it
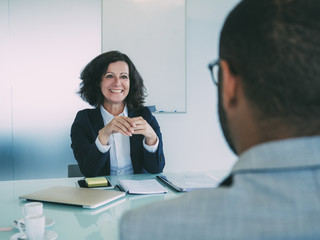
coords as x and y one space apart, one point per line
91 77
274 47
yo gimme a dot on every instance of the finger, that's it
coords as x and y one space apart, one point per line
141 122
141 129
138 120
124 128
118 125
124 122
114 128
119 128
130 121
137 132
123 132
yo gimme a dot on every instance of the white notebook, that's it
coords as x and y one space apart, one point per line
149 186
184 182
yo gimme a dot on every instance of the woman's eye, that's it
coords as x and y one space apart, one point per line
109 76
124 76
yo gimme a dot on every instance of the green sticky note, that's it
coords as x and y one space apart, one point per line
96 182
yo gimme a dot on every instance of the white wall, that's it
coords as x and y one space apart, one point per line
45 45
38 100
193 141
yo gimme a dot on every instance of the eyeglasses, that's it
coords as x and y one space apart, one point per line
214 70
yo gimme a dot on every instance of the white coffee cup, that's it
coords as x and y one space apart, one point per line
34 226
32 208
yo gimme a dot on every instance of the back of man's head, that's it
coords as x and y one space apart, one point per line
274 47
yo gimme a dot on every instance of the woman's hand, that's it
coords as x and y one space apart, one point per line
119 124
142 127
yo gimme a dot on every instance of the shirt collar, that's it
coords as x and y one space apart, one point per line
289 153
107 117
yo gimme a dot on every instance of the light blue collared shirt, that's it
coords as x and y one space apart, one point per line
119 146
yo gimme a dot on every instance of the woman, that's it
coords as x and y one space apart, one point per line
120 136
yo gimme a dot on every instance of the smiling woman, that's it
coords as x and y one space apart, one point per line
120 135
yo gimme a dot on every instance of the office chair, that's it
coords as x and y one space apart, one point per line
74 171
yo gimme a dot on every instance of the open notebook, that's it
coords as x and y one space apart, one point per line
185 182
82 197
148 186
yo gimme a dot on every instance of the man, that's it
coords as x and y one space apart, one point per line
269 108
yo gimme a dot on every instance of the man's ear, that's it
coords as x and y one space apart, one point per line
229 86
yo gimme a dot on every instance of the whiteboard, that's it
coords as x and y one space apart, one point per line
152 34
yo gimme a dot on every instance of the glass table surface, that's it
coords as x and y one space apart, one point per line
71 222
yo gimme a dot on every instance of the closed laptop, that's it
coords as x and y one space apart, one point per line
83 197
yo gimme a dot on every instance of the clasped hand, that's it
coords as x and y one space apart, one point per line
128 126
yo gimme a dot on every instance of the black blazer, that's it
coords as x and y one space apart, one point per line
92 162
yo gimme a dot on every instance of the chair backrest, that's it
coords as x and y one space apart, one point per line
74 171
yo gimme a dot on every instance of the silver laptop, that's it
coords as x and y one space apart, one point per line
82 197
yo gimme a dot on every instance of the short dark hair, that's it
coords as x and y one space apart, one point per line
91 77
274 47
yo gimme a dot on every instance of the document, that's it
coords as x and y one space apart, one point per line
149 186
185 182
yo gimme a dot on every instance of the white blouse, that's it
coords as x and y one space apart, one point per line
119 146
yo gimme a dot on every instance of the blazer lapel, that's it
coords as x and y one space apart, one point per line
96 119
132 113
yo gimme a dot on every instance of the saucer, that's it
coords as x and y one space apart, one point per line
48 235
48 222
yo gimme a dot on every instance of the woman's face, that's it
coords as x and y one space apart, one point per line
115 84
